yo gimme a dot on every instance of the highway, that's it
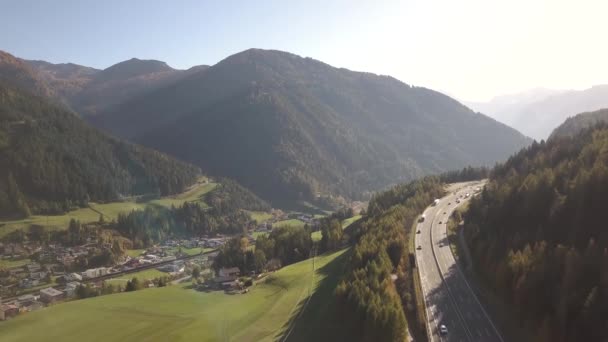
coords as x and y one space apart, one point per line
448 297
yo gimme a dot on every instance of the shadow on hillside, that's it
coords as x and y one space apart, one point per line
317 319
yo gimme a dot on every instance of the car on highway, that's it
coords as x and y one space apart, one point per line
418 231
419 247
443 330
440 222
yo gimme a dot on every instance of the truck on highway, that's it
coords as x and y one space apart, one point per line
435 202
422 218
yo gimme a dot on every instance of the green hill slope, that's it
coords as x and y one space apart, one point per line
579 122
177 313
51 161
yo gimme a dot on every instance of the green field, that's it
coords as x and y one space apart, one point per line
194 195
14 263
177 313
288 223
133 253
148 274
52 222
259 216
109 210
350 221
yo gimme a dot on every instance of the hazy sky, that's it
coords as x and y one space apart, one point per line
471 49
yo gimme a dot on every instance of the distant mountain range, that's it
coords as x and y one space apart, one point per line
538 111
287 127
87 90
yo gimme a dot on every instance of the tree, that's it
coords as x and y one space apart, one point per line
17 198
133 285
196 271
260 260
331 235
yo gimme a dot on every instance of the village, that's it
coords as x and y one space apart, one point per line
52 273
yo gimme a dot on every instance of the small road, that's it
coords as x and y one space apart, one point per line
448 297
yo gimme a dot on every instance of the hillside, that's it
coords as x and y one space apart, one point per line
180 313
51 161
539 239
573 125
64 79
290 128
17 72
536 113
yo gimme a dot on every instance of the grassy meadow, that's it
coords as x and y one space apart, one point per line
109 210
179 313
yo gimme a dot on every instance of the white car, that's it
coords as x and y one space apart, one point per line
443 330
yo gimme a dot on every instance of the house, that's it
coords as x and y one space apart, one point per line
33 267
8 311
26 298
50 295
31 306
95 272
28 283
28 303
229 272
171 268
38 275
73 277
70 289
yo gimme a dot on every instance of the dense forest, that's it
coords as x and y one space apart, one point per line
367 297
229 196
224 215
51 161
539 239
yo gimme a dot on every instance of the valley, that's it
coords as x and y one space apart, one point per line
278 171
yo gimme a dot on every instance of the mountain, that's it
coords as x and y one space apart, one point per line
536 113
16 71
539 240
51 160
88 91
292 128
579 122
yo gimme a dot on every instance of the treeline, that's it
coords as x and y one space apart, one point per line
332 234
367 297
51 161
155 224
467 174
229 196
538 236
283 246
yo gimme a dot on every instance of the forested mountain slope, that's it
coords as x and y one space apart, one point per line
291 128
50 160
579 122
538 235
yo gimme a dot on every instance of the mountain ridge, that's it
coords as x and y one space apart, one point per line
321 122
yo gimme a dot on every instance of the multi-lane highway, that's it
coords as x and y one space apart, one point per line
448 297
